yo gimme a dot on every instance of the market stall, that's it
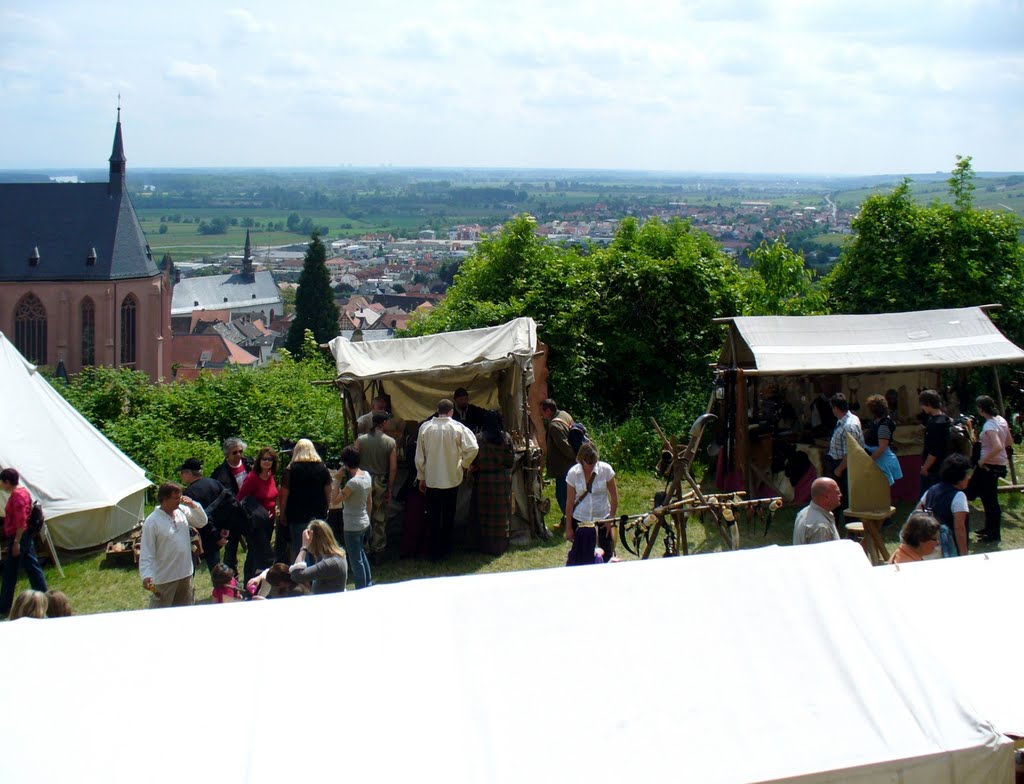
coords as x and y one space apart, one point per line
776 374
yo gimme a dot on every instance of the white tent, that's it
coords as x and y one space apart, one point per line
90 491
779 664
494 364
796 345
962 608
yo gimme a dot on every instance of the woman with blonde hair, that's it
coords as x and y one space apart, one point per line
592 496
305 491
320 560
29 604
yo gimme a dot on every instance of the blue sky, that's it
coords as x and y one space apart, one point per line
853 87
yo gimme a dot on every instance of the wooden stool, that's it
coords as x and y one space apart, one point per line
870 527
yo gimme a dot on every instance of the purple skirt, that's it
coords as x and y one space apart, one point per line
583 543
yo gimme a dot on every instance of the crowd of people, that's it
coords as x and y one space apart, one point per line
314 529
939 525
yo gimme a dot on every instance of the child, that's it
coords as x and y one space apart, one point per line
225 585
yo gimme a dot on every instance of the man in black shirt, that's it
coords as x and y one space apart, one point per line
936 437
204 491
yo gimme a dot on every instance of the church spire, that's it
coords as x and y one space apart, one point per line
247 271
117 160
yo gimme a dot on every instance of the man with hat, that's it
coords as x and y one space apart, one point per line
204 491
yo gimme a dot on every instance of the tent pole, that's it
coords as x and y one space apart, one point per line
1002 408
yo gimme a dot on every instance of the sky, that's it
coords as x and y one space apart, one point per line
772 86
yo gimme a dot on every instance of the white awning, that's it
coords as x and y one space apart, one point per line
482 350
795 345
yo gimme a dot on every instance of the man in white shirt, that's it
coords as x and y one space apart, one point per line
165 563
444 450
815 522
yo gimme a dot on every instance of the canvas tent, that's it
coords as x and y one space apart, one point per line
795 360
969 624
780 664
90 491
496 366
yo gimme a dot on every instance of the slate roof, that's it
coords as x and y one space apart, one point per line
224 292
66 221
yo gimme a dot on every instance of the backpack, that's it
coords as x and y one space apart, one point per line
36 519
577 436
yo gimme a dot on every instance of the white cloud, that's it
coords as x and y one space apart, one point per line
192 78
717 84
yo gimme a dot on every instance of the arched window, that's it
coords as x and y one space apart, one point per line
30 329
129 309
88 332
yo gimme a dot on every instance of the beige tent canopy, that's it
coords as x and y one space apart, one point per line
796 345
787 363
496 366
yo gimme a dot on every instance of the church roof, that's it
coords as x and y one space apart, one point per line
224 292
66 223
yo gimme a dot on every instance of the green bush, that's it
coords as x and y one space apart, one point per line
158 426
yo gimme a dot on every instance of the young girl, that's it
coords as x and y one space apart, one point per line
225 584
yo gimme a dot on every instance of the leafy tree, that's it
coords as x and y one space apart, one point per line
293 221
315 308
779 283
906 256
163 228
627 326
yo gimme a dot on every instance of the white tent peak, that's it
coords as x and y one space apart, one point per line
89 489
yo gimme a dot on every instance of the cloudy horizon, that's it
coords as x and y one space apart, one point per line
729 86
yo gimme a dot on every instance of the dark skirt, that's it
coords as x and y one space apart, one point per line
583 543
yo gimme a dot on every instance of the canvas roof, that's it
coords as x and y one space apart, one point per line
797 345
963 608
758 665
90 490
486 349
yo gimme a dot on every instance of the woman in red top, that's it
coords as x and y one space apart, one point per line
260 485
261 482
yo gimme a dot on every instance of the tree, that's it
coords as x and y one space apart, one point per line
315 308
779 283
293 221
627 327
906 256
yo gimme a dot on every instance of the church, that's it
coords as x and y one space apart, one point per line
78 283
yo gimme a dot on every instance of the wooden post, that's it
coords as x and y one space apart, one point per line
1002 409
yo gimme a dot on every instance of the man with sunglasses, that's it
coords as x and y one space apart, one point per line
231 473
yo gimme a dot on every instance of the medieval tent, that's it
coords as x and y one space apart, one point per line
961 608
494 364
89 490
779 664
775 374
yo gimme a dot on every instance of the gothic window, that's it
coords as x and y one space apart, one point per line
30 329
88 332
129 331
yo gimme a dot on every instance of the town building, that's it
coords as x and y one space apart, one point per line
78 284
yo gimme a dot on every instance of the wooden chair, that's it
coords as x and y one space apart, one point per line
870 500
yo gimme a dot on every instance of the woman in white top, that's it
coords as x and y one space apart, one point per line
995 438
592 496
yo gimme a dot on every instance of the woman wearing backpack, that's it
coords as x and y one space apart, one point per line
947 502
21 548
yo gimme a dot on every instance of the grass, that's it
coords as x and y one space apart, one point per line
94 587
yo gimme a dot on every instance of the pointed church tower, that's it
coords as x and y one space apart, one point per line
118 162
247 271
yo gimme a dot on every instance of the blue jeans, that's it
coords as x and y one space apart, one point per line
358 562
33 571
